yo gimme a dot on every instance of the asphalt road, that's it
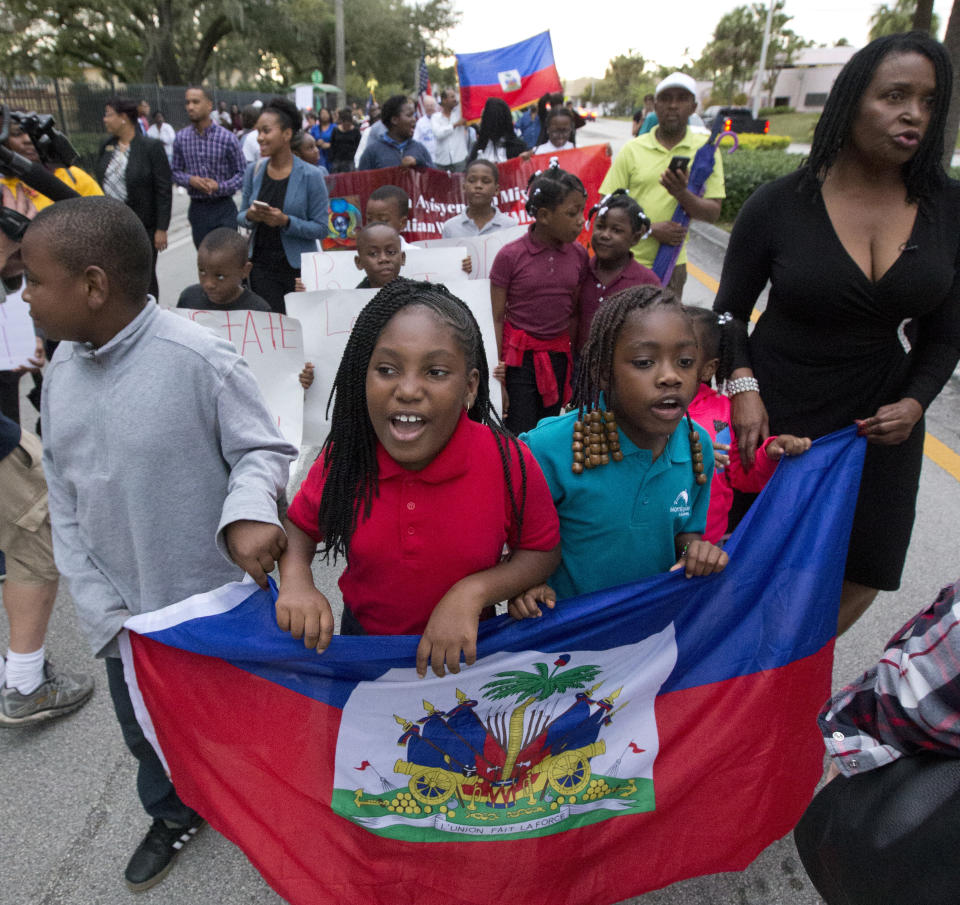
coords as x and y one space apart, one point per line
70 818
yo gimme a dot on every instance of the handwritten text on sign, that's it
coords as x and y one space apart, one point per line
272 345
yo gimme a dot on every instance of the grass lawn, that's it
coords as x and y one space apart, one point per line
799 126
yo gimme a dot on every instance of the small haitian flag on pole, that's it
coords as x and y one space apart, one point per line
519 74
626 740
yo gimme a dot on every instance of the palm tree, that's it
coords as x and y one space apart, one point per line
527 688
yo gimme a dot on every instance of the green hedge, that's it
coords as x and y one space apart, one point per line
754 141
745 171
774 111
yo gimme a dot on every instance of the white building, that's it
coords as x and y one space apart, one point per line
805 84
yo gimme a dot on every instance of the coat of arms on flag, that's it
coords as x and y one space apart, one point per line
510 80
535 750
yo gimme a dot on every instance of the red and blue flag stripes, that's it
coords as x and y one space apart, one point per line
519 74
628 739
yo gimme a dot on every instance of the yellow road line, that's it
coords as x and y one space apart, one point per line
703 277
936 450
939 452
713 285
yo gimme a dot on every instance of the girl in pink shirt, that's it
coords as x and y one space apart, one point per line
711 411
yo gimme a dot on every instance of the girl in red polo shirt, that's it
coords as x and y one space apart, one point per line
418 486
534 289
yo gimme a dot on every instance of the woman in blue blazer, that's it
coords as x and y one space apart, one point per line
285 204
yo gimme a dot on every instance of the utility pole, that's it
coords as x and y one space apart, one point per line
341 56
758 81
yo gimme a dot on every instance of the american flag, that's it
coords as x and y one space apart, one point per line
423 85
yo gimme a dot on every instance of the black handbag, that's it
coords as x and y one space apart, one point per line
890 836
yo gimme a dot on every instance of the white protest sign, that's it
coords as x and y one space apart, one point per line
482 249
272 344
330 270
469 244
435 265
18 341
327 317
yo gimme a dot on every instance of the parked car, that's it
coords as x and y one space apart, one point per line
735 119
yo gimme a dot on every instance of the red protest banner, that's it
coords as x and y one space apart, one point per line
436 196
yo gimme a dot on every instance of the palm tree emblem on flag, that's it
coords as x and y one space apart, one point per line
514 757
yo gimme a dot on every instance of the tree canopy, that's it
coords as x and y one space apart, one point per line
177 42
892 18
733 54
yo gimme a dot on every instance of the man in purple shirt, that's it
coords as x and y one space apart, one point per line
207 160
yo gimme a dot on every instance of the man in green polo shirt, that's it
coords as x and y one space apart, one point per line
643 168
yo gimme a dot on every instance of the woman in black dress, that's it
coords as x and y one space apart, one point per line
862 248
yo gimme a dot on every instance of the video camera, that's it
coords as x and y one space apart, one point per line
48 141
53 147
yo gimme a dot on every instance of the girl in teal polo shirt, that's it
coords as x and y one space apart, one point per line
628 470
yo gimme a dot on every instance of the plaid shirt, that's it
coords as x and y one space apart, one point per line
214 153
909 702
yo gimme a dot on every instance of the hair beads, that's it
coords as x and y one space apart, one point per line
696 453
595 440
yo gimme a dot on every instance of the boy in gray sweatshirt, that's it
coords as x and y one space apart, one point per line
163 463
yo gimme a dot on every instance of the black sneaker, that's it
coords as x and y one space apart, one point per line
152 860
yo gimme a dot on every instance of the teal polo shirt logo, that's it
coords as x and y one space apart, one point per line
681 505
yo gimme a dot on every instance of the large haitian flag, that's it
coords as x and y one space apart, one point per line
628 739
520 74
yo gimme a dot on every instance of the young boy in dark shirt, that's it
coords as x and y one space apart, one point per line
379 255
222 266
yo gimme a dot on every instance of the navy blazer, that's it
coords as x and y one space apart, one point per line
306 203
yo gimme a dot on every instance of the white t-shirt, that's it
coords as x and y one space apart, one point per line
165 133
249 146
550 148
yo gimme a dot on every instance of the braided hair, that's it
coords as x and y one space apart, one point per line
550 187
619 199
713 336
922 174
350 450
596 358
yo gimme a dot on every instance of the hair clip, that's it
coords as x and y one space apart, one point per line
724 318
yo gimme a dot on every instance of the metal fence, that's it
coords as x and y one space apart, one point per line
77 107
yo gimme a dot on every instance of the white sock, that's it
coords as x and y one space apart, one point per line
25 671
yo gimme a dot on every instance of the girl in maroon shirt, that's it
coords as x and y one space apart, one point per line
535 284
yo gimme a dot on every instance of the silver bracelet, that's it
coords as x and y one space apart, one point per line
742 385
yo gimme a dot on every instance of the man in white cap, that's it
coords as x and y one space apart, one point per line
643 168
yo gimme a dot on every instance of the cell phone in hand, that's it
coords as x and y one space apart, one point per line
260 205
678 164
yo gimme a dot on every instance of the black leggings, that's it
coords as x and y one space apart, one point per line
526 404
